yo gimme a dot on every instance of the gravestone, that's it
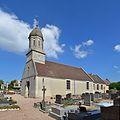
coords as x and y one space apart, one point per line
97 96
87 99
57 112
58 99
105 96
82 96
114 96
117 101
92 96
68 96
1 96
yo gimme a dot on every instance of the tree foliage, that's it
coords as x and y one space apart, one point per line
115 85
11 85
1 82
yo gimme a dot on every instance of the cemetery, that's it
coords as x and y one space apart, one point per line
7 103
88 106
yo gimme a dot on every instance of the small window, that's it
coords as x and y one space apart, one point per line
68 84
101 87
29 43
87 85
34 42
97 86
42 45
39 43
94 86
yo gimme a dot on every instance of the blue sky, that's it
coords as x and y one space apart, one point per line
81 33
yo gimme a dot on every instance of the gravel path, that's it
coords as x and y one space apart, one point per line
27 112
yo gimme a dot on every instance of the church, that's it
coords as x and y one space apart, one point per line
57 78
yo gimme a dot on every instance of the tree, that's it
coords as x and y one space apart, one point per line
115 85
1 82
11 85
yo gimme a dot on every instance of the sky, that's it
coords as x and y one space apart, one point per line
80 33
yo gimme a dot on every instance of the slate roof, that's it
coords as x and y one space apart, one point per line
36 32
107 82
96 79
56 70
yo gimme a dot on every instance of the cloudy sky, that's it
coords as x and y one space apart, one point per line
83 34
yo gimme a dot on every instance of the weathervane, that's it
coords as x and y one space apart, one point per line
36 21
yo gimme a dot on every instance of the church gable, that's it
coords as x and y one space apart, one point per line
29 70
56 70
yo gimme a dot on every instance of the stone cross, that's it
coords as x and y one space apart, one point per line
44 89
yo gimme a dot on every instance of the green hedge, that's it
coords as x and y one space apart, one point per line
9 107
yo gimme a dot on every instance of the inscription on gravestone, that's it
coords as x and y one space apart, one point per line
58 99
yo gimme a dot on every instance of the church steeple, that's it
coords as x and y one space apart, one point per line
36 44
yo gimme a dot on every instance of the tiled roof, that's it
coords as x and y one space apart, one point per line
36 32
56 70
107 82
96 79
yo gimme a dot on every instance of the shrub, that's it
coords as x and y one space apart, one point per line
9 107
67 103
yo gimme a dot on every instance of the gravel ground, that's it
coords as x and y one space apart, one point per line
27 112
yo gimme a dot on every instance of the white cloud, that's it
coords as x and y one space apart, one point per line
79 51
51 35
88 43
14 35
117 48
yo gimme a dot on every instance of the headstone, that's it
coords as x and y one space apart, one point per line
58 99
97 96
87 99
114 96
1 96
68 96
82 96
105 96
117 101
57 112
92 96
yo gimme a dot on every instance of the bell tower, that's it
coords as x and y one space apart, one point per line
35 51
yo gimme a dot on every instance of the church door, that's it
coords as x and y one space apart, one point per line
27 86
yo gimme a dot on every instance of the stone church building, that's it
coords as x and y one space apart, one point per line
57 78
